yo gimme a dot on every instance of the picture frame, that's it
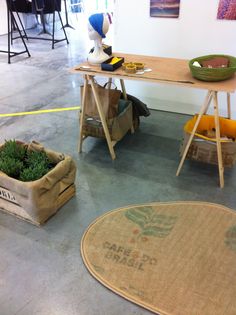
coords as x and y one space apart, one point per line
164 8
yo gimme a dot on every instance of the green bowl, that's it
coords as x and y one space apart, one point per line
212 74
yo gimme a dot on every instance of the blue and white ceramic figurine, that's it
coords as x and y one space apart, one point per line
98 26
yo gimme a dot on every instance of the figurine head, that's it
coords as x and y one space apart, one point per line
98 26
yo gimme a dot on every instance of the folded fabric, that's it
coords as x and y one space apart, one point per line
196 64
216 62
139 106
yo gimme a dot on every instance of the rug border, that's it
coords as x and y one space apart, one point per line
104 282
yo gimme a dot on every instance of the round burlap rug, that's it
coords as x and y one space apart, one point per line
171 258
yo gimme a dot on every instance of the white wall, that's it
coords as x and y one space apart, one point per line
28 20
196 32
3 17
92 6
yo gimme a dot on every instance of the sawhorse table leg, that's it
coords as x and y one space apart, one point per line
110 143
218 143
103 119
122 84
210 95
228 105
82 114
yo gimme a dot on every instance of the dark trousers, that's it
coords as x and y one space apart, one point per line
25 6
48 6
21 6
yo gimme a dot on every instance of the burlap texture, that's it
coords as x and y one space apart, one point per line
109 100
39 198
171 258
206 151
117 126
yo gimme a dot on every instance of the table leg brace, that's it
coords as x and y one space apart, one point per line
82 113
218 143
103 119
202 111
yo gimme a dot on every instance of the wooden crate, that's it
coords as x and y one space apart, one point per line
38 200
9 205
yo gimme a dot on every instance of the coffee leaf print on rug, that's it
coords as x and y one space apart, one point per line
150 223
174 258
231 238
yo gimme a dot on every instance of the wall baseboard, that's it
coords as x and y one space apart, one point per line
179 107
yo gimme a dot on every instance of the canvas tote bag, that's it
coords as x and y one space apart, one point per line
109 100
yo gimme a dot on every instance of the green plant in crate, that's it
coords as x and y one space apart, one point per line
13 150
17 162
11 166
37 164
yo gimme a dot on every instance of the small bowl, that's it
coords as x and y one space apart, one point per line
124 65
130 68
139 65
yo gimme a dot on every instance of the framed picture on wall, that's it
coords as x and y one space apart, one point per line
164 8
227 10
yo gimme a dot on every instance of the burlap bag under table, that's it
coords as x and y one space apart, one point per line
117 126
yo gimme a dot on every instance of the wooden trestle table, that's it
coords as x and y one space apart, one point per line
164 71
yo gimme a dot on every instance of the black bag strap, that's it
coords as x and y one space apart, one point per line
112 83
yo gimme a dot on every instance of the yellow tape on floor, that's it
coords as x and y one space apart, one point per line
36 112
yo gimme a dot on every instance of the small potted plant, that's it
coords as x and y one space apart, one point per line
34 182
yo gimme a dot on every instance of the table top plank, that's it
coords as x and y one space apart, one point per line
164 70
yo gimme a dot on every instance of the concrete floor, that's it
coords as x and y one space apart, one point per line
41 270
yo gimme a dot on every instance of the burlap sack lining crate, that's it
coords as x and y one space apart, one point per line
204 149
118 121
38 200
117 126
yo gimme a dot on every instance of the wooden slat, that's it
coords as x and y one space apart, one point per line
202 111
16 210
228 105
218 143
82 115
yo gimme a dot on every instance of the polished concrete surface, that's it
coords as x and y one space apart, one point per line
41 270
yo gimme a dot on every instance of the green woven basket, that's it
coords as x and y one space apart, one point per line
213 74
